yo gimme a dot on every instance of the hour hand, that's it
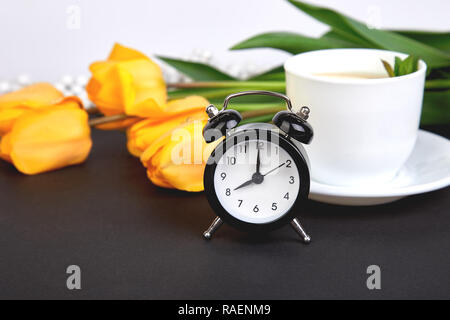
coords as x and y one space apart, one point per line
246 183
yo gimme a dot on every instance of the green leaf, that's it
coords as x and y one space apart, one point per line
208 93
280 76
216 93
437 84
290 42
436 107
247 85
276 73
439 40
409 65
264 118
349 41
397 64
339 23
247 102
388 68
195 70
249 106
358 32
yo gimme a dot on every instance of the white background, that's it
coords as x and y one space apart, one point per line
37 38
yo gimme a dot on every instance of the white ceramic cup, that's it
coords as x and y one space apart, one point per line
364 129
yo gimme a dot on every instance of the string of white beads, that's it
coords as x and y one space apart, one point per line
76 85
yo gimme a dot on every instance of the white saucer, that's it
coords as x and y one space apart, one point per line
427 169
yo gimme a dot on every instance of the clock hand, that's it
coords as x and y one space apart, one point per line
257 176
258 160
246 183
274 169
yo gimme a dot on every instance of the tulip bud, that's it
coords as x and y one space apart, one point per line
176 113
178 158
15 104
48 138
127 82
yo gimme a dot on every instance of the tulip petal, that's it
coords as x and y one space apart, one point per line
178 158
32 96
176 113
104 88
15 104
48 139
122 53
144 133
180 106
5 147
128 82
8 116
186 104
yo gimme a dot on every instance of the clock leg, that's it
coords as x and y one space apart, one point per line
212 228
299 229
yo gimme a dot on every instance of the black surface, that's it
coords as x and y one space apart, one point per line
134 240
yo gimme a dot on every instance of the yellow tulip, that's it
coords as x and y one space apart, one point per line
127 82
15 104
48 138
177 159
177 112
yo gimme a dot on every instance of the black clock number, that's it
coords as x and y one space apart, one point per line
291 180
240 203
256 209
243 148
231 160
288 163
286 196
228 192
223 175
274 206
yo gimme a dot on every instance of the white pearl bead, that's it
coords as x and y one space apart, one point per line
66 92
15 87
67 80
24 79
77 90
207 55
86 102
82 80
195 55
5 87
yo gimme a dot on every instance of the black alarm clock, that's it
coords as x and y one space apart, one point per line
257 177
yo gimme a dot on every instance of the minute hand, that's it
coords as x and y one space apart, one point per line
274 169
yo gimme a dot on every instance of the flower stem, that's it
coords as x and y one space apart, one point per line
92 110
108 119
213 93
267 85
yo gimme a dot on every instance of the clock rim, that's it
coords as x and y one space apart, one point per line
303 171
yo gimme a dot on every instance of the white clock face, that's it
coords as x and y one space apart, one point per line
252 195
